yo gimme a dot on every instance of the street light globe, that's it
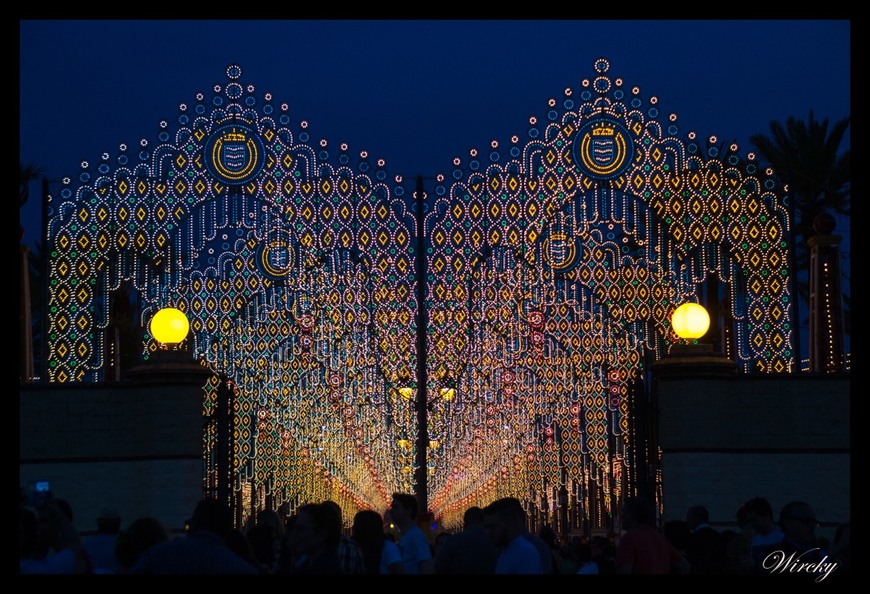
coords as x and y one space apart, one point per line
169 326
690 321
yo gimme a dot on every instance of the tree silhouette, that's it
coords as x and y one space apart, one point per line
34 264
808 158
26 174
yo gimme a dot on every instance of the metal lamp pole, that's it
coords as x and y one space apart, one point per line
421 402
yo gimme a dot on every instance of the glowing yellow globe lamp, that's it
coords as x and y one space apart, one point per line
169 326
690 321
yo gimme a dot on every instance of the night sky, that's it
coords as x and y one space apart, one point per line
415 92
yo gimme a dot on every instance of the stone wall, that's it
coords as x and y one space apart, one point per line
727 439
133 446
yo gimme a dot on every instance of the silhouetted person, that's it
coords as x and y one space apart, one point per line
440 538
313 541
349 552
101 546
287 556
504 520
413 544
643 549
138 537
759 515
567 558
677 532
603 554
705 549
50 543
203 550
264 546
548 535
548 560
841 548
585 564
381 555
470 551
799 545
238 542
738 552
271 518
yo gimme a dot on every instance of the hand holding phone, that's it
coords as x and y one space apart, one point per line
38 492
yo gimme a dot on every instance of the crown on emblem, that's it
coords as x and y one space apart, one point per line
234 136
603 129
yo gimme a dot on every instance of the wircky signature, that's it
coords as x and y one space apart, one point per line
779 562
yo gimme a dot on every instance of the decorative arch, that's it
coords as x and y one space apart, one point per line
554 262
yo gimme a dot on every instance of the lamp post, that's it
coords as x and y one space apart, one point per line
827 348
564 520
172 378
690 322
686 359
170 328
421 402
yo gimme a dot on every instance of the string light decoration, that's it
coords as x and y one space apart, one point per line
554 264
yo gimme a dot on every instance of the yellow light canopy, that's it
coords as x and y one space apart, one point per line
690 321
169 326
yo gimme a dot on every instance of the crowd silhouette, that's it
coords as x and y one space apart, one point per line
493 540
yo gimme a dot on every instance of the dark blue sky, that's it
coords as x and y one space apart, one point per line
415 92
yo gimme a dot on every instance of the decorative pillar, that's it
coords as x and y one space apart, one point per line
421 482
827 329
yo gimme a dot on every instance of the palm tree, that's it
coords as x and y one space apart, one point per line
808 159
35 266
26 174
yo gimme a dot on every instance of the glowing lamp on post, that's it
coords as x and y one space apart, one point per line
687 356
169 326
690 321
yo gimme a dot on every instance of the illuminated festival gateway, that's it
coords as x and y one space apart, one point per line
548 266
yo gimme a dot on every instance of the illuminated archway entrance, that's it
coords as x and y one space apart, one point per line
553 263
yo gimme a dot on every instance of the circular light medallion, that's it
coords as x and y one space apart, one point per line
603 148
275 255
561 252
234 153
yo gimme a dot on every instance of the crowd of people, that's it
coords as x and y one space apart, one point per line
493 540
